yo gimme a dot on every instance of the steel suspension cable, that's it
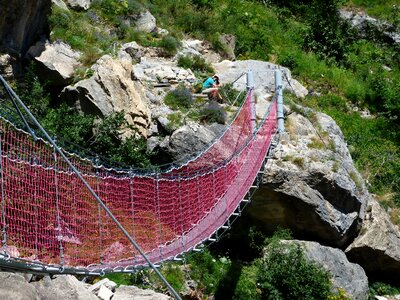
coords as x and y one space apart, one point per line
92 192
3 204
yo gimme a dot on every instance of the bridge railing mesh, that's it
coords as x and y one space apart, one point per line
48 216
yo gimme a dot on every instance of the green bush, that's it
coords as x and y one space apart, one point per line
213 114
285 273
246 287
381 289
169 45
180 98
208 271
195 63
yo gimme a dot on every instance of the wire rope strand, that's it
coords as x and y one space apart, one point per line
181 212
160 244
132 199
3 200
100 223
35 200
59 230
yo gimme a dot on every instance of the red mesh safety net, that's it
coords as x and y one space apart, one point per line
48 216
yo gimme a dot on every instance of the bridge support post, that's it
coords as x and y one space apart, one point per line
249 87
279 95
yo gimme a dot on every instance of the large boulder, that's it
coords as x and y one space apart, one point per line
65 287
131 292
56 62
187 141
263 75
311 185
369 27
111 89
345 275
205 49
22 22
377 247
157 70
14 286
79 4
6 66
145 22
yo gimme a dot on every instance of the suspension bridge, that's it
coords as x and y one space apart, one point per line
61 213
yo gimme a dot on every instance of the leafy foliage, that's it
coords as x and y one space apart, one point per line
169 45
195 63
207 270
328 34
381 289
285 272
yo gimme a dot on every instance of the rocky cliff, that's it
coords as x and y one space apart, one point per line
22 22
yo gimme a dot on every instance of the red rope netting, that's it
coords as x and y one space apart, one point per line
49 216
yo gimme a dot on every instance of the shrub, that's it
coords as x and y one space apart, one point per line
381 289
285 273
213 113
207 271
195 63
246 287
180 98
169 45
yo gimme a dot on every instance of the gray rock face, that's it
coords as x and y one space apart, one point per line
202 48
111 89
364 23
6 69
57 62
65 287
60 4
21 23
79 4
132 292
145 22
14 286
188 140
377 247
348 276
161 70
311 185
264 77
229 43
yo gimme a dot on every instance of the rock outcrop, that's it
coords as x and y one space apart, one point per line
377 247
18 286
131 292
15 286
22 22
111 89
345 275
310 185
187 141
369 27
65 287
263 75
56 62
79 4
145 22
